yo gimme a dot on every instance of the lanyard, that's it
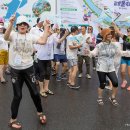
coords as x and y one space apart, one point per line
17 44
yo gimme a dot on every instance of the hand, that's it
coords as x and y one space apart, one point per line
46 23
12 19
113 24
80 45
67 32
75 43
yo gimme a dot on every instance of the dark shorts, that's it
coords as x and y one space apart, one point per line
44 69
60 58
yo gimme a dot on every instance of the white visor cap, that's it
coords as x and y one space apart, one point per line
22 19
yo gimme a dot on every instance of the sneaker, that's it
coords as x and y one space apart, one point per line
74 87
49 92
123 85
63 76
100 101
54 74
128 88
80 75
88 76
58 78
108 87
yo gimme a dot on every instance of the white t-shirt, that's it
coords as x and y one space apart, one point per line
21 50
3 43
72 53
61 50
85 46
45 52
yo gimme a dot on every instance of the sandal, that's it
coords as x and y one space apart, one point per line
42 119
100 101
49 92
4 82
43 94
15 125
113 101
68 83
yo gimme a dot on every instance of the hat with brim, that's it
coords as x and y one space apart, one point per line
105 32
22 19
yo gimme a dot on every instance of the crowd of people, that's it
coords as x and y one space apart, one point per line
35 54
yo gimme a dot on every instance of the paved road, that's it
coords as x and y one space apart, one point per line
69 109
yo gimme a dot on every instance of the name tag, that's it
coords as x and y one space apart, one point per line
18 60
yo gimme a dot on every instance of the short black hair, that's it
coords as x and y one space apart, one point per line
84 26
74 29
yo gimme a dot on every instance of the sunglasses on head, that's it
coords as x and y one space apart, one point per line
25 24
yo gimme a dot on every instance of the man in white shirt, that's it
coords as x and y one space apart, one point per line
82 56
72 50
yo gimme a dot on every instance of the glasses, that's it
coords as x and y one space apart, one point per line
25 24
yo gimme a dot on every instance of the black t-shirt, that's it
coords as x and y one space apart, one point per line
99 38
126 45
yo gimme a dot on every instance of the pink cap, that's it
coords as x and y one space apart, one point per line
2 20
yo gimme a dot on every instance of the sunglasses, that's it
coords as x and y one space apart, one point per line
25 24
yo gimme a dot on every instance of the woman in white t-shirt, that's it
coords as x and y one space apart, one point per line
21 62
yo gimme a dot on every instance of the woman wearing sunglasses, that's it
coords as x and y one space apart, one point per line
21 62
106 52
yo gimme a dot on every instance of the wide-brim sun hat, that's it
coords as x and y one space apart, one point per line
22 19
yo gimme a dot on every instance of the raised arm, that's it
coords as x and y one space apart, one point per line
64 36
9 29
117 30
43 39
123 53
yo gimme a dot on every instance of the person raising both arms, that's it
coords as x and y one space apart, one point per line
21 62
106 51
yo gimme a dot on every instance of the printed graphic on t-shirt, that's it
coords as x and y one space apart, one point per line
22 46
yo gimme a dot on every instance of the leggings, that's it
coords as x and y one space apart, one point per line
111 75
18 77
